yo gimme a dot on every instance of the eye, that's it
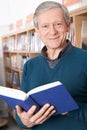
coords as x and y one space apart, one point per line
45 26
58 24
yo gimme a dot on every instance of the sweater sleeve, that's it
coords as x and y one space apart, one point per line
79 114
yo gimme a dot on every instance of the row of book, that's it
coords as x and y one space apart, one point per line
13 78
24 42
84 35
16 62
71 34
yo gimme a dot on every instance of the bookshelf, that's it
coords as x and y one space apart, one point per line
78 15
18 47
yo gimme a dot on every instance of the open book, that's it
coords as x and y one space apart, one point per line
53 93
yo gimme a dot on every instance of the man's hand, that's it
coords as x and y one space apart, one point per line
30 119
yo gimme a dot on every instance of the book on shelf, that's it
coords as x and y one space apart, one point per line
84 34
53 93
22 42
9 77
15 78
8 62
11 43
35 44
71 34
18 61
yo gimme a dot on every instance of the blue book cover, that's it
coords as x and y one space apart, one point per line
53 93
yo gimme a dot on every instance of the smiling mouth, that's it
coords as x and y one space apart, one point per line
54 38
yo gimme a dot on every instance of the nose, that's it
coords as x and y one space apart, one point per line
53 30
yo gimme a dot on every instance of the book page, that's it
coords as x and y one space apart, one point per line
44 87
13 93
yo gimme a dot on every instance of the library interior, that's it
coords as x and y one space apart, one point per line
20 43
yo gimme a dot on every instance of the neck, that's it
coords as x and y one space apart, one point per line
53 53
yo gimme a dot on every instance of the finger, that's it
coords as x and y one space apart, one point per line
64 113
40 122
18 109
40 113
44 111
26 118
31 111
46 115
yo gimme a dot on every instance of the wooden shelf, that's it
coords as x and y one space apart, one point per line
78 15
18 47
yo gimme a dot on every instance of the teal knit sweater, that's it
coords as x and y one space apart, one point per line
71 70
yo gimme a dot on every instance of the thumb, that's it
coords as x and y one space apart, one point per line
19 109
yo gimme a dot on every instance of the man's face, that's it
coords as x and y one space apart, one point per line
52 28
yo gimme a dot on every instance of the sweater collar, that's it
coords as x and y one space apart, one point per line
62 52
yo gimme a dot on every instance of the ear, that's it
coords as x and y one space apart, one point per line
37 31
